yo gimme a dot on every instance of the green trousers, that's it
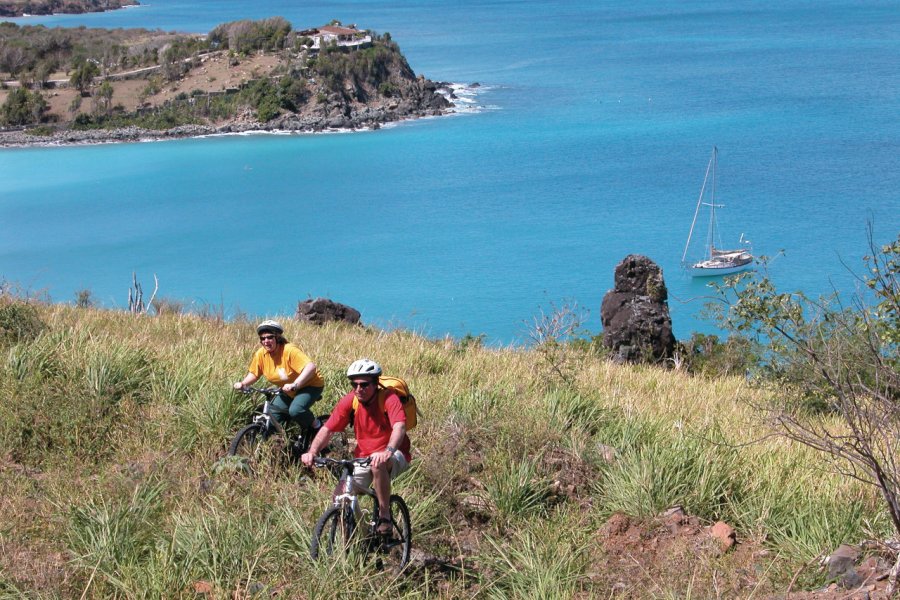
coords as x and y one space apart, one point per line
297 408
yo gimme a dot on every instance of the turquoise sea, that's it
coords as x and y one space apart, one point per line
594 125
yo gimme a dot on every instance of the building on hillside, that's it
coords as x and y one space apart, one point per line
345 37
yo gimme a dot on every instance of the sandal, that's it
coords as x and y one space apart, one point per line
383 526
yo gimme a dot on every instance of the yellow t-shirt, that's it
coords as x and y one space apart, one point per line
282 366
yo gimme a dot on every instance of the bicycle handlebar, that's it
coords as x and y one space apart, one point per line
269 392
322 461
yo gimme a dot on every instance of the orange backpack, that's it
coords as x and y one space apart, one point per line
399 387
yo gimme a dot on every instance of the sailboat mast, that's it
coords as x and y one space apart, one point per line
699 202
711 230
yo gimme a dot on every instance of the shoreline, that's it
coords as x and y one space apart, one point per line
367 119
9 12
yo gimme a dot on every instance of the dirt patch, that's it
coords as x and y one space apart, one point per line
34 568
678 555
217 72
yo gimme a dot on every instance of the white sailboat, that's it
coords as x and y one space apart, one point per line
716 261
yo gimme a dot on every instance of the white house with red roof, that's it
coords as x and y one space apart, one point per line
340 35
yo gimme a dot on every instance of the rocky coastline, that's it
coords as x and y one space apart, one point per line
16 8
431 100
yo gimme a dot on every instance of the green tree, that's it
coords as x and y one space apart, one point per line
83 75
104 97
23 107
42 71
841 359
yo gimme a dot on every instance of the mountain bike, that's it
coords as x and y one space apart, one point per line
350 523
264 430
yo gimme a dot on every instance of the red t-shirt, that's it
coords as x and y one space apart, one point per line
372 425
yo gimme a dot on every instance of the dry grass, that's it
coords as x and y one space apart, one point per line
503 451
215 74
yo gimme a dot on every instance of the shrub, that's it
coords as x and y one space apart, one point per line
84 298
825 356
167 306
707 355
41 130
19 322
387 89
23 107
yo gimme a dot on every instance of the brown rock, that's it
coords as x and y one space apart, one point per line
724 534
842 560
323 310
607 453
616 525
635 314
673 518
203 588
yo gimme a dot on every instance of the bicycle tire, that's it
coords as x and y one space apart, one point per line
303 441
247 442
400 552
333 532
392 552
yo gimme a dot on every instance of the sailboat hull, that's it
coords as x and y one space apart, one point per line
702 270
722 263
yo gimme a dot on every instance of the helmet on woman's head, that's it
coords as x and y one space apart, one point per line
364 366
269 325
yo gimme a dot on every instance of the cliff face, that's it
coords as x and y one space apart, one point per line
18 8
363 88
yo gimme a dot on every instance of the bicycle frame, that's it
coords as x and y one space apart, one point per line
350 493
265 417
263 426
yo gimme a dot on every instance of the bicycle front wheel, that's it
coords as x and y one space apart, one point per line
333 532
248 442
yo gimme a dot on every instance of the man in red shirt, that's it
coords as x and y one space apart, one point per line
380 426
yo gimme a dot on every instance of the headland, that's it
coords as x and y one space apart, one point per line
23 8
105 86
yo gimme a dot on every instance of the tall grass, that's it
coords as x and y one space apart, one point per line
114 539
671 469
112 424
538 562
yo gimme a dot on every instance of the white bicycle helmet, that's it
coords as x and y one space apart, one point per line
364 366
269 325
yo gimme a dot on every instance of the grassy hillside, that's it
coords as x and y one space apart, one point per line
112 427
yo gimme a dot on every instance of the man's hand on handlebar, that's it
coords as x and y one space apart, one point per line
380 458
308 458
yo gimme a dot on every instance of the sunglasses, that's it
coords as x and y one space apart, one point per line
264 338
360 384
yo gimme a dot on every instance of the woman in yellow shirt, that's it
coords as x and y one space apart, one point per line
287 366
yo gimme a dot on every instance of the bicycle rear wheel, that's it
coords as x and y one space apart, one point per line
333 532
399 546
303 441
392 551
